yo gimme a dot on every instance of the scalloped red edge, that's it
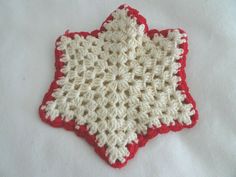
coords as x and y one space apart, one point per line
152 132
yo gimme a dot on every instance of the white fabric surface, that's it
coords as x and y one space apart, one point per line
29 147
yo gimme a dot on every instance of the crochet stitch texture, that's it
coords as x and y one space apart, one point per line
121 85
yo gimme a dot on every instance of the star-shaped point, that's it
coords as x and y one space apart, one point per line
120 85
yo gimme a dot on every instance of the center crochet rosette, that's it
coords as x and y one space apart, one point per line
121 85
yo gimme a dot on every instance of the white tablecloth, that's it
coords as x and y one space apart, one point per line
31 148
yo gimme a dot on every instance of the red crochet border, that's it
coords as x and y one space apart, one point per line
152 132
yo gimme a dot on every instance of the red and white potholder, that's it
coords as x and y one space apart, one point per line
120 85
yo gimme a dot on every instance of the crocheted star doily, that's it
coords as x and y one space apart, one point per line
120 85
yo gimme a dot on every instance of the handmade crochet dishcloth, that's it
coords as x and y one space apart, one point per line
120 85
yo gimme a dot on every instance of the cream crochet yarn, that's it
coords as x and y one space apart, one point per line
120 84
